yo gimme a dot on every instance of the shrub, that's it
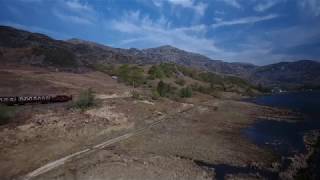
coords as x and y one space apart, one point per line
168 68
185 92
85 100
6 113
164 89
155 72
155 95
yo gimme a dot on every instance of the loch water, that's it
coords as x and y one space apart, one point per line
286 138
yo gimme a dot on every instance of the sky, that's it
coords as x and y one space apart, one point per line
252 31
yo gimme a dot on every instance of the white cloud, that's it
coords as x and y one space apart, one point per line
261 7
233 3
217 19
75 12
199 7
312 6
275 46
246 20
72 18
148 32
184 3
144 32
77 6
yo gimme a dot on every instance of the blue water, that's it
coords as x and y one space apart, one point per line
282 137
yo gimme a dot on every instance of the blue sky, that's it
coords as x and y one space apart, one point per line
253 31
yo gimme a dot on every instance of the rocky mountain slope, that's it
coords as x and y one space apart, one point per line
299 74
22 47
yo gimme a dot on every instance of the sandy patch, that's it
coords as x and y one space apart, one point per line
146 102
108 112
110 96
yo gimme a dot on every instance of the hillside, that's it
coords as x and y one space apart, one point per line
127 134
22 47
300 74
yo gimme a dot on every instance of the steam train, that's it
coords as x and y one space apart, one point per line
21 100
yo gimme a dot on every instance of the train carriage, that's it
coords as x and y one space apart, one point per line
21 100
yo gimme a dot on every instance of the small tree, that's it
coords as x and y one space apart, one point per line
123 72
168 68
136 77
131 75
86 99
163 89
185 92
155 72
155 95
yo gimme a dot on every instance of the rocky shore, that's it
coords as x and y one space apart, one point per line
301 164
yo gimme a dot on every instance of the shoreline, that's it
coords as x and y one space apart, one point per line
301 162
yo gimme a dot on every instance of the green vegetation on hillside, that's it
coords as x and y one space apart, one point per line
131 75
225 83
163 70
201 88
188 71
173 81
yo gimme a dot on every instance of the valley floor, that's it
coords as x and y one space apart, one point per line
158 139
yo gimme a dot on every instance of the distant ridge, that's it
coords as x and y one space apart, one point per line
23 47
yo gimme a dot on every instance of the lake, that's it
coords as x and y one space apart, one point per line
286 138
283 137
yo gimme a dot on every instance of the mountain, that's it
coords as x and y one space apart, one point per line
172 54
288 74
22 47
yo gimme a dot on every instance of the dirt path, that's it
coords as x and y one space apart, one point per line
61 161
